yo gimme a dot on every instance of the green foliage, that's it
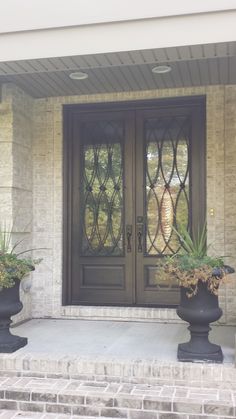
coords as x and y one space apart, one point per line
188 262
12 267
194 250
194 245
192 264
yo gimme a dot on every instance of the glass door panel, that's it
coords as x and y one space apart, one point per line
166 163
101 192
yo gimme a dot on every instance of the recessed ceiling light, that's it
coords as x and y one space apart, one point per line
161 69
78 75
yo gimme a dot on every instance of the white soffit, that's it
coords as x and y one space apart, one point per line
124 71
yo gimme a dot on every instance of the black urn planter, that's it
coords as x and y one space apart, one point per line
10 305
199 311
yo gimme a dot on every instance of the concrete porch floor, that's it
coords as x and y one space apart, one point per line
113 339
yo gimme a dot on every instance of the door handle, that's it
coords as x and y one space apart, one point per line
129 237
140 237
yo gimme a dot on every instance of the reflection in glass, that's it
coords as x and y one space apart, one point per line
102 189
167 183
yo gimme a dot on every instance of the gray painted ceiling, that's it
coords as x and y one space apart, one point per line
124 71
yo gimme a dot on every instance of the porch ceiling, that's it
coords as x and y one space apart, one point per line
124 71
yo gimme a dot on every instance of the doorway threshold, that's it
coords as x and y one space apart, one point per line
121 313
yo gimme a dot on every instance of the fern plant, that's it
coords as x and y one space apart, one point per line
192 264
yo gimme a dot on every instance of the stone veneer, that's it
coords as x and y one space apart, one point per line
31 131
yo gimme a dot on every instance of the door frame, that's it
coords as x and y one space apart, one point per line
198 102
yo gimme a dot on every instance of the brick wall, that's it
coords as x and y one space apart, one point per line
16 173
47 192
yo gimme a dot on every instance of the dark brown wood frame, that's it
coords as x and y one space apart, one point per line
199 105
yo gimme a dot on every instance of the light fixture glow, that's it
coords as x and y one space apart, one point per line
161 69
78 75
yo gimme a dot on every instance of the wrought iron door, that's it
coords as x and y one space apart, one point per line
170 168
102 215
135 176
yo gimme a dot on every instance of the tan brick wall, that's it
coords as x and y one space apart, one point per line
16 172
47 195
230 195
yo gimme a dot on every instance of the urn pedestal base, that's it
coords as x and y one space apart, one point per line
184 355
11 343
199 349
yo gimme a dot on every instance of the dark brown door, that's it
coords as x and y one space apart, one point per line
170 193
102 208
131 175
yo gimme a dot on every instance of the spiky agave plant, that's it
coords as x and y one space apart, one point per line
12 265
192 264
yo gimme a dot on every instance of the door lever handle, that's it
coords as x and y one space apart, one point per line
129 237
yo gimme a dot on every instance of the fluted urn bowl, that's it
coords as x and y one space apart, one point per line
10 305
199 311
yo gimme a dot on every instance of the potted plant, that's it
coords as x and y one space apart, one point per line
199 276
13 268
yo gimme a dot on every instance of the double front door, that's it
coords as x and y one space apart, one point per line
132 175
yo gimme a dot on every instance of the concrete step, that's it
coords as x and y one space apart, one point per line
77 398
147 371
